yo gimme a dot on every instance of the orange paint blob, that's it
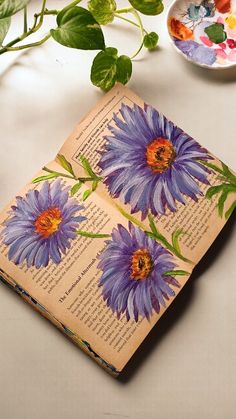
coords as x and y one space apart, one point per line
179 30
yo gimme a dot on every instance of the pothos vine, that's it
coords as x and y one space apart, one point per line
81 28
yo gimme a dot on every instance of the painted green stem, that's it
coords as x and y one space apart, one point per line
225 172
81 179
159 237
154 234
92 235
228 186
131 218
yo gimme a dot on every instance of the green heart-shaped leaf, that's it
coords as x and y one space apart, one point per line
77 28
108 68
4 27
102 10
10 7
124 69
150 40
148 7
103 71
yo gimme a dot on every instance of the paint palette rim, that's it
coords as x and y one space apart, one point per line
170 14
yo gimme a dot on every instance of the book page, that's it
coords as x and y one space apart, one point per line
46 249
153 167
106 236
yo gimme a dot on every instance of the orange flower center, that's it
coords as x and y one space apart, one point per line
48 222
141 264
160 153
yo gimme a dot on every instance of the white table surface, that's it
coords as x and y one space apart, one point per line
187 366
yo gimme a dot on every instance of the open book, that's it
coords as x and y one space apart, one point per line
104 237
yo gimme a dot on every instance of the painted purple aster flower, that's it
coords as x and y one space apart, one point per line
133 280
41 225
150 163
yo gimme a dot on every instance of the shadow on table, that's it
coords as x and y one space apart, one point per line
224 75
179 306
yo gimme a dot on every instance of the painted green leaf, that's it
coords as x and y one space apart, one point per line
104 70
148 7
10 7
87 167
211 166
77 28
176 273
102 10
4 27
46 177
94 185
228 174
152 225
213 190
150 40
75 188
216 33
124 69
65 164
221 202
175 238
86 194
92 235
230 210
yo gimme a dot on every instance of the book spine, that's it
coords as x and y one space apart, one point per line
84 345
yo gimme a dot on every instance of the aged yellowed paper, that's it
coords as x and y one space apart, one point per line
103 238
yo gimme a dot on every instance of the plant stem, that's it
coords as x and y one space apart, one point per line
25 20
34 44
36 26
137 52
47 12
42 13
140 24
129 21
72 4
125 10
20 38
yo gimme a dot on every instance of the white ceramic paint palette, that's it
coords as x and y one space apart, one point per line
204 31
